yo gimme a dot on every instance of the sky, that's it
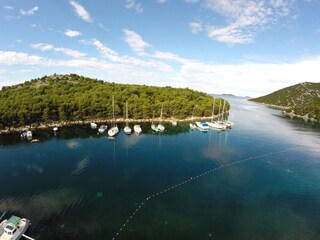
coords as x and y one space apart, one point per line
241 47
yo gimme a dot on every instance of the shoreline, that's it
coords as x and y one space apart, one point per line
304 117
289 114
43 126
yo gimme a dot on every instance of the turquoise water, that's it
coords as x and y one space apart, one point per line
260 180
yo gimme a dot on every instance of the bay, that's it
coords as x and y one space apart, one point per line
259 180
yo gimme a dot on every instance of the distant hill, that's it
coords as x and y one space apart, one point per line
300 99
73 97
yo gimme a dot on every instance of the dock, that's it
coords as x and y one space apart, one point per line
27 237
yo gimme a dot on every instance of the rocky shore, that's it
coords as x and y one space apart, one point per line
304 117
290 114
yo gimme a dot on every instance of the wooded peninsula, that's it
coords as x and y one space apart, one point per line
301 100
63 98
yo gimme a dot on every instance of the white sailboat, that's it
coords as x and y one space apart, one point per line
114 130
153 126
137 129
161 128
127 130
214 124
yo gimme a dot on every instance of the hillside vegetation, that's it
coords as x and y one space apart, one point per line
301 99
72 97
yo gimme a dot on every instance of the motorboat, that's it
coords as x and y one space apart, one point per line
202 126
13 228
93 125
102 128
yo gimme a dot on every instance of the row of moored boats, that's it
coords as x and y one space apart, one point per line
215 125
220 124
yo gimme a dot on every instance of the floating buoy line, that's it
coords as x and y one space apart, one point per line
155 195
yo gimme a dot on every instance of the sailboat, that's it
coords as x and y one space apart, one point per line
160 126
153 126
214 124
127 130
114 130
224 122
137 129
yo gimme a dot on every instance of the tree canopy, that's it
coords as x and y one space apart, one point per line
73 97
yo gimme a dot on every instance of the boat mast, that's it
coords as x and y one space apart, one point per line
214 99
161 114
219 110
113 111
127 113
224 104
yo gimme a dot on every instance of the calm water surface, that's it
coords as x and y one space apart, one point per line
80 185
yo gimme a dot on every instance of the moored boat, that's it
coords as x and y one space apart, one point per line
192 126
102 128
154 128
114 130
160 127
93 125
127 130
137 129
216 125
13 228
202 126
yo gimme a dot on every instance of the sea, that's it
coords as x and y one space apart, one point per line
259 180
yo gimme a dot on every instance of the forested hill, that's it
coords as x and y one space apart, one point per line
302 99
72 97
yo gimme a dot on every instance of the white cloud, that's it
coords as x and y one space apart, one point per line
81 11
196 27
72 33
169 57
131 4
8 7
191 1
136 42
239 79
245 18
105 51
128 60
162 1
48 47
244 79
29 12
8 58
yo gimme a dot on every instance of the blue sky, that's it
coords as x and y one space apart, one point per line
241 47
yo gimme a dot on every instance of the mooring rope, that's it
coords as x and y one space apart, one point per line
157 194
